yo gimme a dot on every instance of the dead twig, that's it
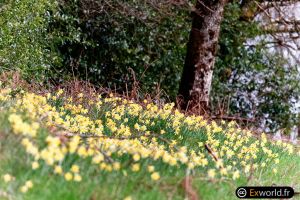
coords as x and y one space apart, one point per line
187 184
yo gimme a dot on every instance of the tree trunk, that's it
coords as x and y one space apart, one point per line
197 74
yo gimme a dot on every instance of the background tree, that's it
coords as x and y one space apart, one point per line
197 73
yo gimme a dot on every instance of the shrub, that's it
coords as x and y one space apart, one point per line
25 44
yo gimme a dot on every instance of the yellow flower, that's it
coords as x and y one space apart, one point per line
116 166
24 189
247 168
135 167
98 158
58 169
137 126
60 91
29 184
68 176
35 165
75 168
82 151
219 163
235 175
136 157
77 178
223 171
155 176
128 198
7 178
151 168
211 173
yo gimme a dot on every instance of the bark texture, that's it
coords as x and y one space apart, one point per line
197 74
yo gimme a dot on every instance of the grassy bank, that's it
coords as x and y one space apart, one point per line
55 146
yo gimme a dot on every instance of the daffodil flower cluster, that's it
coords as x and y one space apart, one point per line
114 134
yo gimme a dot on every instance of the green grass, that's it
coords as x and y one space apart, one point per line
103 185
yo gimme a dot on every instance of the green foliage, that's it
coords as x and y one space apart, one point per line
24 42
117 36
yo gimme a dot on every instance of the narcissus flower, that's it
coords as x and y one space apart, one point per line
124 129
35 165
211 173
155 176
29 184
136 157
151 168
68 176
75 168
7 178
128 198
135 167
236 175
58 169
24 189
77 178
